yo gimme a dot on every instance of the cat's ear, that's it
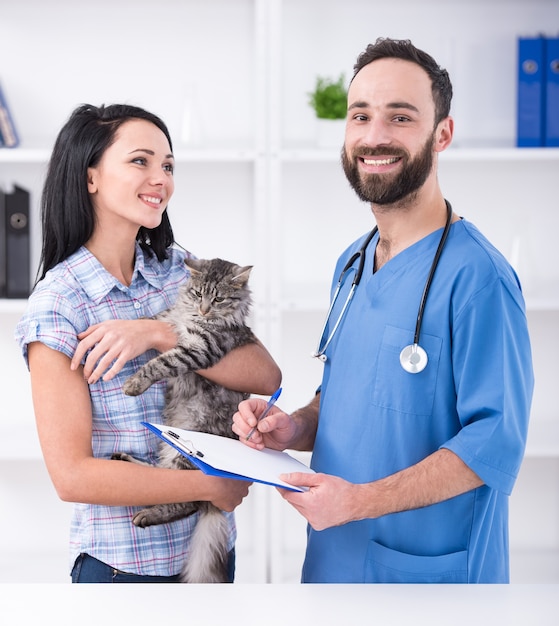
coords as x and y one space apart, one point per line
193 264
242 274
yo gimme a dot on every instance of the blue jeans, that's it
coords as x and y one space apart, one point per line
89 570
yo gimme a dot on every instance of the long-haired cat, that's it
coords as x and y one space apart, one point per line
209 319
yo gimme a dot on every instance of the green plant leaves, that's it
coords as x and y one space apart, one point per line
329 98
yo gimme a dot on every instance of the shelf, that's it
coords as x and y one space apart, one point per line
25 155
542 303
314 298
12 306
466 154
19 442
541 295
311 297
499 154
213 155
543 439
307 153
182 155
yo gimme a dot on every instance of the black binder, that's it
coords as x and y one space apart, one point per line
17 251
2 245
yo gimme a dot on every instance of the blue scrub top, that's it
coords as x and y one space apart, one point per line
473 398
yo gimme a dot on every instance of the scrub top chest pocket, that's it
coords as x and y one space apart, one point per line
394 388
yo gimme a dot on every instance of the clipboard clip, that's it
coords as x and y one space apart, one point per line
187 446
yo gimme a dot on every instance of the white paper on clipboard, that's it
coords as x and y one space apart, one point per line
222 456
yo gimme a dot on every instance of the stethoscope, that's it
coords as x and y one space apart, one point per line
413 358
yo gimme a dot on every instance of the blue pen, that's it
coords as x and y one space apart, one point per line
266 410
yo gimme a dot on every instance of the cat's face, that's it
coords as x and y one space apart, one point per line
218 289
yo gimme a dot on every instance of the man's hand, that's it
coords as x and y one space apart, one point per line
329 500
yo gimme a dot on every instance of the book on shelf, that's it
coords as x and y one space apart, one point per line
9 137
530 92
537 120
551 137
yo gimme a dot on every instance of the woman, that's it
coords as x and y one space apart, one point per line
108 264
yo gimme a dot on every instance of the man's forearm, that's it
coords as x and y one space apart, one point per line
440 476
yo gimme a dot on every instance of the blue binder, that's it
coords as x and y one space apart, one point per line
552 92
530 95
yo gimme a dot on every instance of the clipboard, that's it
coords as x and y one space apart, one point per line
230 458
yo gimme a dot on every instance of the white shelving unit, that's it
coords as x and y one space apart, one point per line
253 187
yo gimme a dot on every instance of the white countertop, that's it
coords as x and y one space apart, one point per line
271 605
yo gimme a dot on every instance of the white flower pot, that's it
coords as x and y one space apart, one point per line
330 133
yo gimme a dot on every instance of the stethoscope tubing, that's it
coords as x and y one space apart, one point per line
319 352
432 271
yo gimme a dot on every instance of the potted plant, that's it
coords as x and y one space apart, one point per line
329 98
329 101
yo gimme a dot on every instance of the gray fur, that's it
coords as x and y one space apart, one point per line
209 319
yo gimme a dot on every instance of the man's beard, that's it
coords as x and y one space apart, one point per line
389 188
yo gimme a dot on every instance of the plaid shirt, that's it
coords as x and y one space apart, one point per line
74 295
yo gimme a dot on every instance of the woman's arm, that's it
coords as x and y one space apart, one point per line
111 344
64 423
249 368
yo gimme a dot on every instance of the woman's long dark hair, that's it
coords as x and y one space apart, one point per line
67 213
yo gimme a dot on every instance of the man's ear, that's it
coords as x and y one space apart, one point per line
443 134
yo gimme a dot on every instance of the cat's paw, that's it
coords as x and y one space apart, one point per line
122 456
134 386
145 518
164 513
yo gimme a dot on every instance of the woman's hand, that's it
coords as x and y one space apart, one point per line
227 493
113 343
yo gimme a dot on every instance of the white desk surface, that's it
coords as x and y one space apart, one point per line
272 605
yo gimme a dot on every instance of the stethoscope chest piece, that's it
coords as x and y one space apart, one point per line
413 358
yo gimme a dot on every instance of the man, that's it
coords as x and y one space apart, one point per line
416 452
